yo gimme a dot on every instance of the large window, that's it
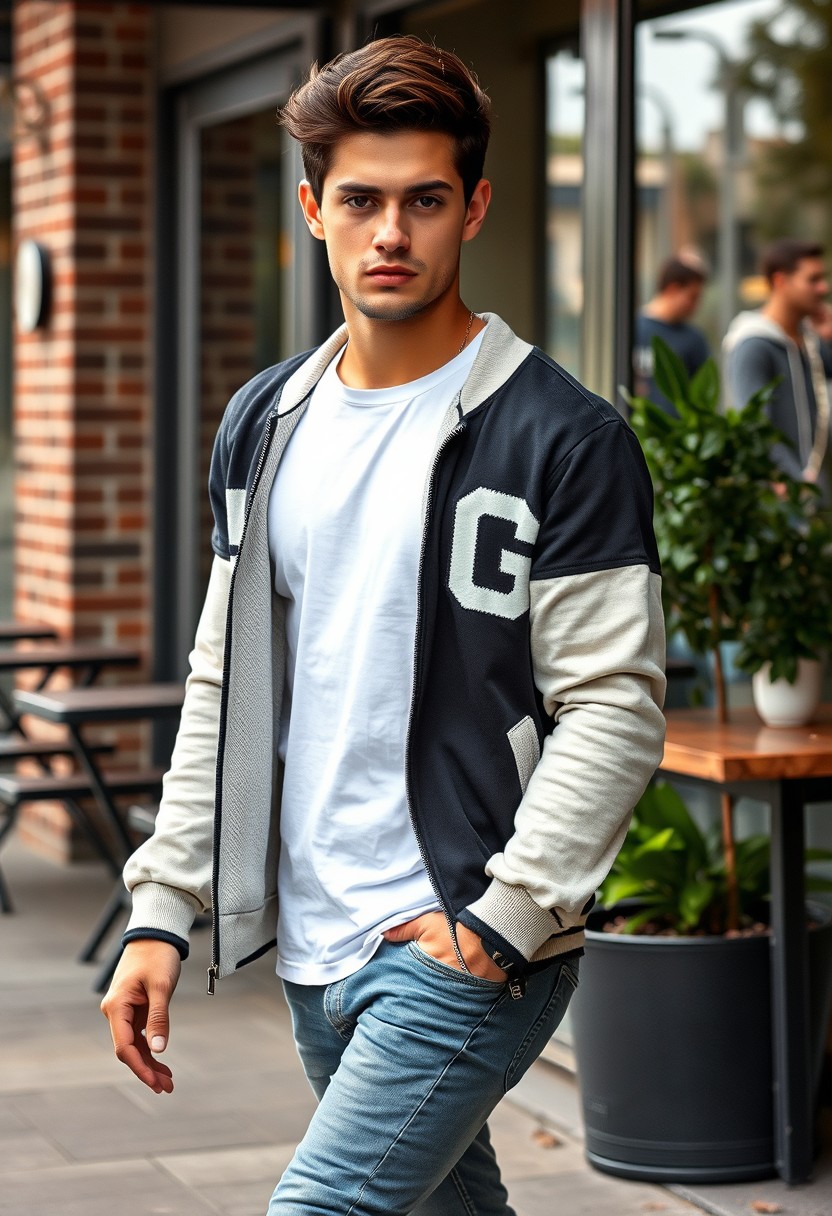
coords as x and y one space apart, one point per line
732 111
564 152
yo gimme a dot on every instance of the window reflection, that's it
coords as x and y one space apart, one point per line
732 143
564 183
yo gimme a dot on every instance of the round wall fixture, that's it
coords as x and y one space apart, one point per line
32 286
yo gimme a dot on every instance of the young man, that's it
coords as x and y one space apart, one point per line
778 342
435 611
679 288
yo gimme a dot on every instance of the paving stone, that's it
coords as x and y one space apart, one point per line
586 1193
239 1182
27 1150
97 1123
117 1188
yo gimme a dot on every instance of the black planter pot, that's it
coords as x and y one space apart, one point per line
673 1044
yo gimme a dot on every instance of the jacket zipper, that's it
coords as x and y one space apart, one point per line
457 430
213 970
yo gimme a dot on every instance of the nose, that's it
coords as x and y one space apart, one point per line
390 233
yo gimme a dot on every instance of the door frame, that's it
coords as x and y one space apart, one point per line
241 88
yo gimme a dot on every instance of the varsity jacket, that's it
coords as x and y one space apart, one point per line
535 720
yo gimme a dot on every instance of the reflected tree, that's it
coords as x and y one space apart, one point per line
789 64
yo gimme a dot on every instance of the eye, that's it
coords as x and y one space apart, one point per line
358 202
427 202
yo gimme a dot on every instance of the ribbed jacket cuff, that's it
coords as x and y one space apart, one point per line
511 913
156 906
157 935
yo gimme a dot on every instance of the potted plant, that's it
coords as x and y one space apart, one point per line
787 625
672 1019
741 543
745 552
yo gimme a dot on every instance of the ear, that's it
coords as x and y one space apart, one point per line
311 210
477 208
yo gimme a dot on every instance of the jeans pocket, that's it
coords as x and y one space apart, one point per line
465 978
544 1024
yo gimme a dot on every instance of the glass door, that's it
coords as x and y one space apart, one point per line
247 278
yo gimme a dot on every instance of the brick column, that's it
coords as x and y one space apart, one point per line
82 385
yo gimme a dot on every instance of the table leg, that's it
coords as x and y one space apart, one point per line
790 986
87 762
11 718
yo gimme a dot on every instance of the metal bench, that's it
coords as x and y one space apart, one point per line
16 790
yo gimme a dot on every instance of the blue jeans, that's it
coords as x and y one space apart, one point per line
408 1057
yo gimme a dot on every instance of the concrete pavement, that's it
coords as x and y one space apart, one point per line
80 1137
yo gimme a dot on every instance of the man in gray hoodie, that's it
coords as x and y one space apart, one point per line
779 341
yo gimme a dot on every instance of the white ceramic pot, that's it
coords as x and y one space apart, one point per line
784 704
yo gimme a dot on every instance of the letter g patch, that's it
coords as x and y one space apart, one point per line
471 510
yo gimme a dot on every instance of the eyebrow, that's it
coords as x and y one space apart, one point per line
419 188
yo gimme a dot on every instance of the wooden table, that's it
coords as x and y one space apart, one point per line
24 631
788 768
85 661
77 707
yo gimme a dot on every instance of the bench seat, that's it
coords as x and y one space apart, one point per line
14 790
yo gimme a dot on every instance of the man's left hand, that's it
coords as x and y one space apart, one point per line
434 937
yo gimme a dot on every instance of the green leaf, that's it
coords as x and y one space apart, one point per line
669 373
615 888
704 387
661 806
693 901
660 842
657 912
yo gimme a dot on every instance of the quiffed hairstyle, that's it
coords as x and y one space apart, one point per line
680 272
392 84
785 254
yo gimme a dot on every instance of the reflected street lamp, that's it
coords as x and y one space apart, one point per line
732 153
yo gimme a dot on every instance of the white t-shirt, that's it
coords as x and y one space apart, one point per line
345 517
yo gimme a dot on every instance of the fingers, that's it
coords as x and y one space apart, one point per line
411 930
127 1016
156 1030
136 1008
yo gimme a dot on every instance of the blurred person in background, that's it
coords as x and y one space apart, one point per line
780 342
679 285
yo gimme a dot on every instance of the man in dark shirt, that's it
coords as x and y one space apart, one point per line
678 292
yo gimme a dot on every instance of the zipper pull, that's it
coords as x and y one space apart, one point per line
213 971
517 987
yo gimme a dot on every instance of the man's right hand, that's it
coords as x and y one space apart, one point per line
136 1007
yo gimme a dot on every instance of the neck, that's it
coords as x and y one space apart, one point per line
782 314
381 354
661 309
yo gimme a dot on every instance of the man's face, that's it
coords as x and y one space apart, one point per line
393 217
686 297
805 289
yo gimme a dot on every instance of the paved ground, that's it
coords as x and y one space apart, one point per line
79 1137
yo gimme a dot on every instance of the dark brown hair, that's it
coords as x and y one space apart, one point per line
785 254
676 272
392 84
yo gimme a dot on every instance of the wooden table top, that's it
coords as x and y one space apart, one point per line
67 655
24 631
78 705
745 749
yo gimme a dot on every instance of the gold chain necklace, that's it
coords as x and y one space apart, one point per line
471 316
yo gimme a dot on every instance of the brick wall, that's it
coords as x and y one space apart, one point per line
82 385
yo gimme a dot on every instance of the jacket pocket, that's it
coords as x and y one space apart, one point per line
526 749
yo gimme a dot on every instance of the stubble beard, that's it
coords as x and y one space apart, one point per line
391 308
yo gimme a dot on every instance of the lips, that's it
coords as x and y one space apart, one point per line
390 276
